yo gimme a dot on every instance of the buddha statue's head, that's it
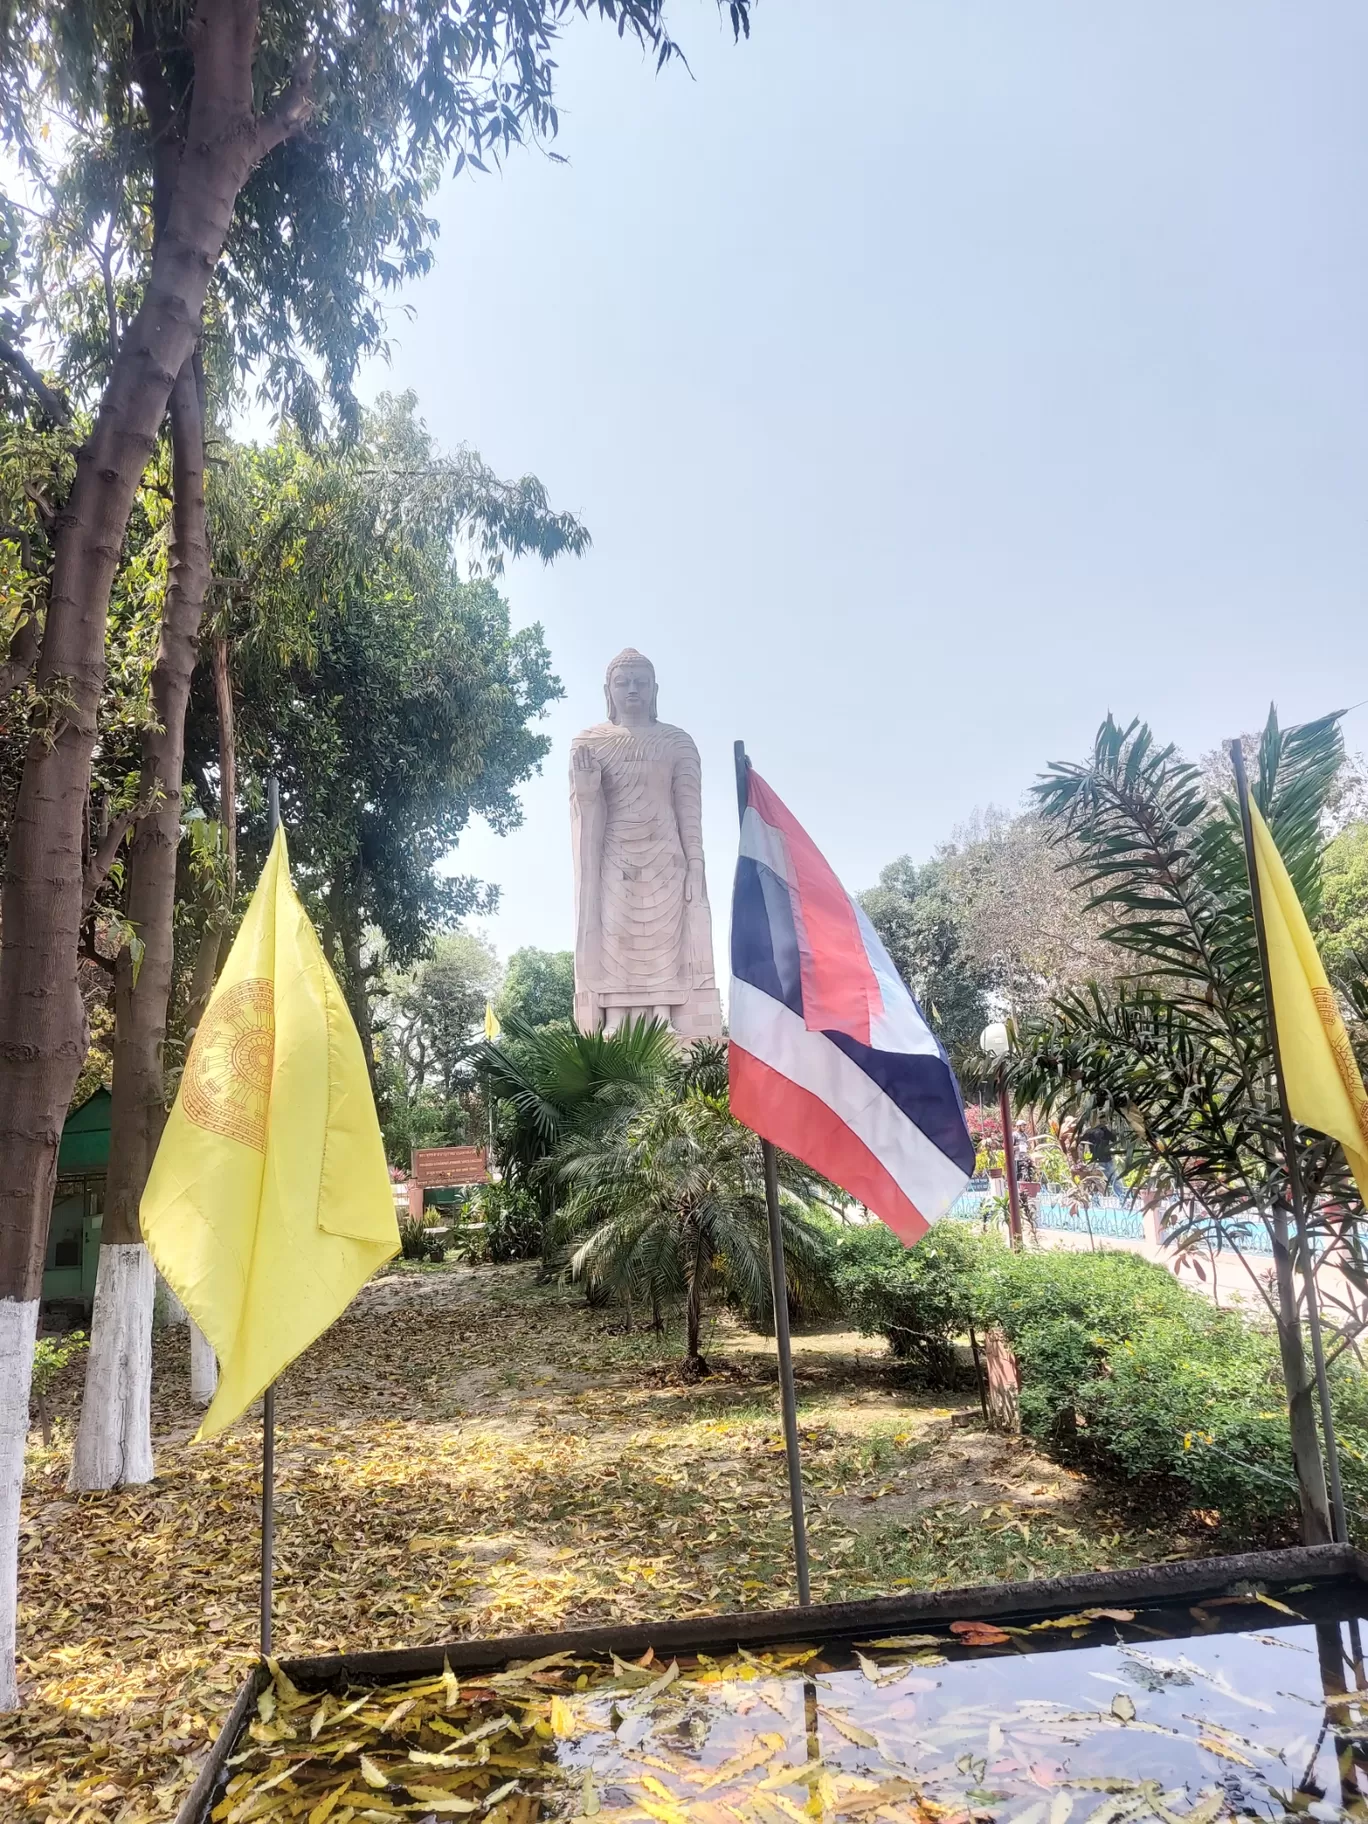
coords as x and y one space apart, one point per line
630 690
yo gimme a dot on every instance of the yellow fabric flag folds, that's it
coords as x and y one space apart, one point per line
1321 1077
268 1205
492 1026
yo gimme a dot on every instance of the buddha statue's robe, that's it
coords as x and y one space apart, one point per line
641 945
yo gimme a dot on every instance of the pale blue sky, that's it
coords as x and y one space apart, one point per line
932 375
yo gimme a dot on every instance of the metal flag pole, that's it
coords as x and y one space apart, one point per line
1289 1140
779 1289
268 1399
1009 1157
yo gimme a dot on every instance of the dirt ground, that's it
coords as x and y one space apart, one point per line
467 1453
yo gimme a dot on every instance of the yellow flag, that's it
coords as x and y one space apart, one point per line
492 1026
1321 1077
268 1205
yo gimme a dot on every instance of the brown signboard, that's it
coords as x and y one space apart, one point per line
438 1166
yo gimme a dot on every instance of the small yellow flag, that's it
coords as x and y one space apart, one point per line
268 1205
1321 1076
492 1026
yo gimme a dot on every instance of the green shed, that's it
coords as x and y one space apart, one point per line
73 1251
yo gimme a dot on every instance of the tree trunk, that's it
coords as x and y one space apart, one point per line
227 727
42 1023
348 933
694 1365
212 936
168 1313
18 1333
41 1019
205 973
203 1366
1301 1411
114 1440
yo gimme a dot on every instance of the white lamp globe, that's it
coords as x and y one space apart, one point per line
993 1040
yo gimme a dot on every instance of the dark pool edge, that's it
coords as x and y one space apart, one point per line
1139 1586
199 1801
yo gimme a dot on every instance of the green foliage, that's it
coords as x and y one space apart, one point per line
551 1081
701 1066
51 1354
413 1118
415 1243
392 698
513 1221
1147 1380
921 1298
1122 1368
1342 934
1174 1057
539 987
671 1196
329 223
426 1020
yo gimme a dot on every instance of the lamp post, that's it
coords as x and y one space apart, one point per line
995 1044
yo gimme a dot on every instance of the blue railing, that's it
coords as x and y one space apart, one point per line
1114 1218
1109 1216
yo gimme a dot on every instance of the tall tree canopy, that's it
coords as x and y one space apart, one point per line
538 987
229 185
373 674
430 1020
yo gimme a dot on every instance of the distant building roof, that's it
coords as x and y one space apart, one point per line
85 1138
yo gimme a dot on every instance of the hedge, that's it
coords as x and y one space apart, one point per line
1122 1368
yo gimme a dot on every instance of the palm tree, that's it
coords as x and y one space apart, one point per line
675 1193
553 1081
1175 1053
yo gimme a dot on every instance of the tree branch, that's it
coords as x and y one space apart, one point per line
97 868
149 72
111 304
90 954
21 658
290 112
53 403
42 506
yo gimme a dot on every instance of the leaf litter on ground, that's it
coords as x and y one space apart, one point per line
467 1454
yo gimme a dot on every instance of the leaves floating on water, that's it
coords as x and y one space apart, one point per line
980 1633
896 1641
845 1736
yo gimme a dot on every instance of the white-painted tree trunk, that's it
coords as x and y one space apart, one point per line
114 1442
167 1308
18 1331
203 1366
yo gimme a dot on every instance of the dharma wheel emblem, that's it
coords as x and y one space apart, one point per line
227 1085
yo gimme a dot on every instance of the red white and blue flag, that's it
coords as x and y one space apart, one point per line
830 1056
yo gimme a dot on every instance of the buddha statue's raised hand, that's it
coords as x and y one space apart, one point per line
586 774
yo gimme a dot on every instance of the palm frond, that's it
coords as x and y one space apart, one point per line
1129 823
677 1170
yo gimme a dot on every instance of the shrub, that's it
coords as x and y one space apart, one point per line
1122 1367
513 1222
920 1298
1126 1368
50 1355
415 1243
1063 1313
